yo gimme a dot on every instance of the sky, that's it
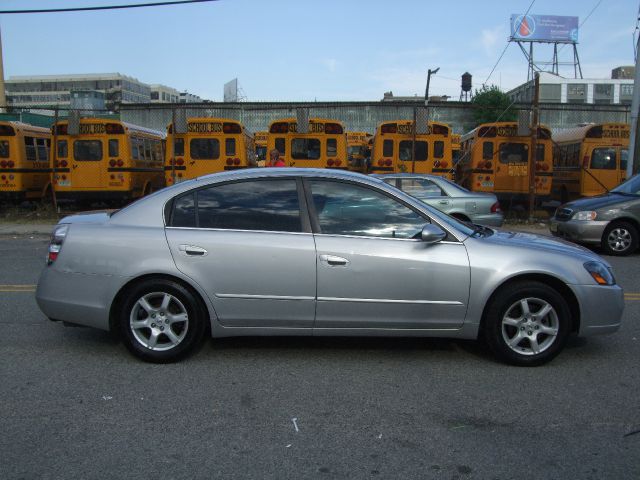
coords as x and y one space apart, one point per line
306 50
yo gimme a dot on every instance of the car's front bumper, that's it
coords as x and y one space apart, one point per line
600 308
579 231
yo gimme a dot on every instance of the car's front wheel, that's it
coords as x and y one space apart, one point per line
161 321
620 238
527 323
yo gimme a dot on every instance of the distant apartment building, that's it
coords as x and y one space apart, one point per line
555 89
186 97
57 91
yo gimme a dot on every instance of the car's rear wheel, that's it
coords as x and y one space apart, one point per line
527 323
620 238
161 321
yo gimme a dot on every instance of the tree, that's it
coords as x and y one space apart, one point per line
491 104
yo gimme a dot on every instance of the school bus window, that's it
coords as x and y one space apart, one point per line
603 159
134 149
540 152
178 147
157 148
280 146
30 148
140 149
147 149
387 148
41 145
438 149
87 150
4 149
205 148
113 147
514 153
63 149
230 146
404 150
624 157
332 147
305 148
487 150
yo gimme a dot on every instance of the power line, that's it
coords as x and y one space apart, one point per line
105 7
507 45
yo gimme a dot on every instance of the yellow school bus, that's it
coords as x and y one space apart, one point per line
25 168
393 143
260 140
496 159
324 146
107 160
359 151
455 148
209 145
589 160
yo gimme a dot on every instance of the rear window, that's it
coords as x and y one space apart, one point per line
87 150
514 153
305 148
205 148
4 149
603 159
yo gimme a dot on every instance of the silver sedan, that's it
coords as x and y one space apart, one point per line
289 251
448 197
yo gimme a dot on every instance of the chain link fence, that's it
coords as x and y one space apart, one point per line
356 116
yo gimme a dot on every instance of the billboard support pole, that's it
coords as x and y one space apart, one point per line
632 164
533 153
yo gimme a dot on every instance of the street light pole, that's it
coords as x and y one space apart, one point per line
426 92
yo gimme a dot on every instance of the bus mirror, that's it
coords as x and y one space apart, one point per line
180 122
73 125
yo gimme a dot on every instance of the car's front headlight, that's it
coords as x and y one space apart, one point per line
600 273
587 215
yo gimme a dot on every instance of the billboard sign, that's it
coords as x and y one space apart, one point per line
544 28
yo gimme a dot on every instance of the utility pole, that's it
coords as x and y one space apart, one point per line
634 144
533 152
3 97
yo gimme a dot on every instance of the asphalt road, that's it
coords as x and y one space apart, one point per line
76 404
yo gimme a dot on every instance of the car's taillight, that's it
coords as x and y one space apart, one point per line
55 245
495 208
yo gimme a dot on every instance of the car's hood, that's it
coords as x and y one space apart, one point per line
540 243
97 216
599 201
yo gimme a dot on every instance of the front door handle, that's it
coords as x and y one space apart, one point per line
193 250
334 261
444 202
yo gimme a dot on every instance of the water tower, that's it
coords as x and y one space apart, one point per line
465 91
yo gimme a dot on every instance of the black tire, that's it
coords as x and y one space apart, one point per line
165 311
506 320
620 238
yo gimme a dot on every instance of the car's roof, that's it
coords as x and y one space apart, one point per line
284 171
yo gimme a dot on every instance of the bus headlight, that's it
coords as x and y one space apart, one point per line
587 215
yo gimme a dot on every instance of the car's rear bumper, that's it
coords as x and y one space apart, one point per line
579 231
490 219
600 308
77 298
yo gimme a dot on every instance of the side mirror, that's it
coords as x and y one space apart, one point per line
432 234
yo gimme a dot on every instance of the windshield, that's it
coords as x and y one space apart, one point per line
631 186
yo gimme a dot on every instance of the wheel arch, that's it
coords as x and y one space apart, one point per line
550 280
627 219
120 296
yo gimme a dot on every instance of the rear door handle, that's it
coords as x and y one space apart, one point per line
193 250
334 261
444 202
